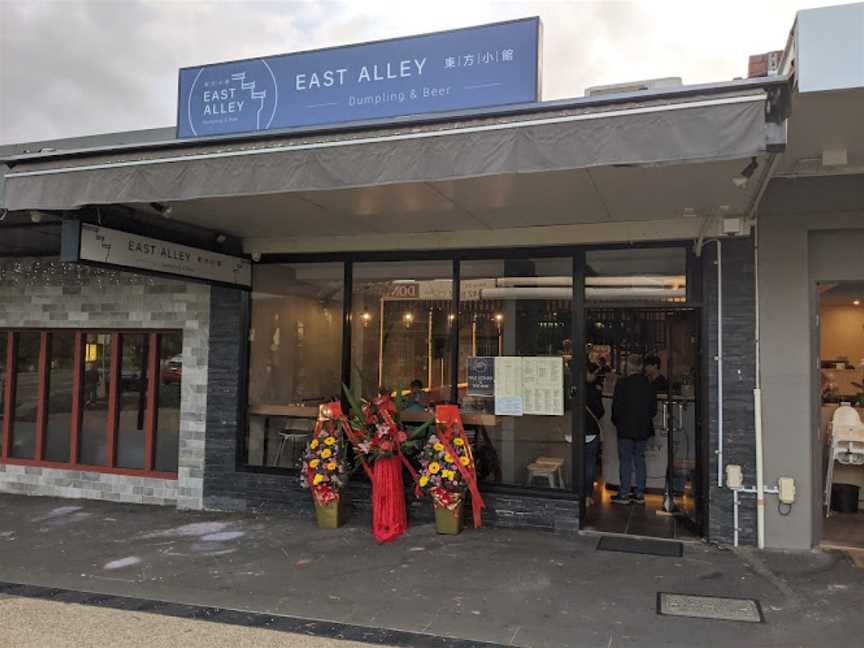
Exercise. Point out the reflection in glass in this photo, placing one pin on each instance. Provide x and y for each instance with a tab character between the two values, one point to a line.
96	389
401	324
168	414
636	276
520	307
132	401
58	421
295	348
26	396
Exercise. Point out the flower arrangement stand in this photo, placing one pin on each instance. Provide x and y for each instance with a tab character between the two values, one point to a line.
447	521
330	515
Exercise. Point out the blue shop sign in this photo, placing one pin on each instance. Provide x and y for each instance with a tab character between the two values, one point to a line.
477	67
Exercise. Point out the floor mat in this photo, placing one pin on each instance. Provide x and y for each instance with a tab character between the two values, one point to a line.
709	607
641	546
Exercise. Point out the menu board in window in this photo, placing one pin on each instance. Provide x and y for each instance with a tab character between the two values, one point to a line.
543	386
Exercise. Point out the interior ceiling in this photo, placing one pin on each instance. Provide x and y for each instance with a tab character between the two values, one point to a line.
822	121
506	201
843	293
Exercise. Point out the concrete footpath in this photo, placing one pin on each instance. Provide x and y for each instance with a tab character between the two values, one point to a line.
507	587
29	623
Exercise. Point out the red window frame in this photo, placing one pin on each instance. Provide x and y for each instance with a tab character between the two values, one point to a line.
154	340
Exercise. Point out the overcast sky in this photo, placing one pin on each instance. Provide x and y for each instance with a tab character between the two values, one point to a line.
71	68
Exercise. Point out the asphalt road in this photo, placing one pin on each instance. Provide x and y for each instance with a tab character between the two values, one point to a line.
26	623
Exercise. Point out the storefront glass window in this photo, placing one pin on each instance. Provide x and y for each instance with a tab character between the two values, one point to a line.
515	320
59	391
400	328
132	401
636	276
96	392
66	389
4	346
168	416
295	351
26	396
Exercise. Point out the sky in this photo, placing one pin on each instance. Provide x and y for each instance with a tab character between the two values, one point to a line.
72	67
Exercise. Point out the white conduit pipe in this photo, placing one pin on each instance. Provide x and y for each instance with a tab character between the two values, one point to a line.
757	390
719	360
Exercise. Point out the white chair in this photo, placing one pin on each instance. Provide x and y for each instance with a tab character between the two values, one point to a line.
847	445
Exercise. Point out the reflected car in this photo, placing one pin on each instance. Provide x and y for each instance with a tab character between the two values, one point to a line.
172	371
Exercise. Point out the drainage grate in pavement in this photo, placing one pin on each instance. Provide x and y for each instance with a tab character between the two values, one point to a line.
641	546
709	607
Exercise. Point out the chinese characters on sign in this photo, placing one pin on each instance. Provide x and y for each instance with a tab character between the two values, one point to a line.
477	67
479	58
83	242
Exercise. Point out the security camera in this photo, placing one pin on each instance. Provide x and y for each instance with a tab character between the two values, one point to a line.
740	181
256	257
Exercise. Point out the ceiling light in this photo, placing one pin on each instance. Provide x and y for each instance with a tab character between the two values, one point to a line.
857	302
221	238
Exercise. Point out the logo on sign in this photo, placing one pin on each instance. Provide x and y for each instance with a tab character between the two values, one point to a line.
240	96
404	291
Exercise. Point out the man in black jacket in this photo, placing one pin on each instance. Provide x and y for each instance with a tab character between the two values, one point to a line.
633	409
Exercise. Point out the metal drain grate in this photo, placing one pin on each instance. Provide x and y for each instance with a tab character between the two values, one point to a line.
709	607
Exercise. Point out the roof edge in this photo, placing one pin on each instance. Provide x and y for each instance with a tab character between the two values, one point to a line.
412	120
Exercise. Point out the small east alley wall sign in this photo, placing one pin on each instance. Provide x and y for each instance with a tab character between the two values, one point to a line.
87	243
477	67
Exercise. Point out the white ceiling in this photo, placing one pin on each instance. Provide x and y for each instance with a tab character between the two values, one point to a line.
508	201
822	121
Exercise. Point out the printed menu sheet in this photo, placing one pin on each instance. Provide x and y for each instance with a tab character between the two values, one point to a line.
508	386
543	386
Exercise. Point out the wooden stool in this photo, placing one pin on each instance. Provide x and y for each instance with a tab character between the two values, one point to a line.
548	468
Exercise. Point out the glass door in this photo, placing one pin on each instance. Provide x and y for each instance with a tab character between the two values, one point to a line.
682	416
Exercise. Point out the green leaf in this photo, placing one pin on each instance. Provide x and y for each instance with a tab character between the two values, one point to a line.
356	408
399	400
420	432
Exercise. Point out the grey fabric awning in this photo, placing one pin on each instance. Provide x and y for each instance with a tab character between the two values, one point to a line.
637	134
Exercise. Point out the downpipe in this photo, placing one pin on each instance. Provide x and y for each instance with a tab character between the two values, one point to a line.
735	504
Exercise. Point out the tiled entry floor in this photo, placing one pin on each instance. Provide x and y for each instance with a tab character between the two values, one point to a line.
634	519
844	529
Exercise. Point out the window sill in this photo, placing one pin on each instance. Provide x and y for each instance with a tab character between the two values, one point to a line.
130	472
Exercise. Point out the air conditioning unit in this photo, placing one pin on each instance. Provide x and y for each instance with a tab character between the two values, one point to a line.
634	86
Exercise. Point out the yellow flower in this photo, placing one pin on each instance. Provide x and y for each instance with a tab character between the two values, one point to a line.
465	460
331	465
459	442
314	463
313	444
326	453
448	458
438	447
434	467
450	474
329	440
423	481
318	479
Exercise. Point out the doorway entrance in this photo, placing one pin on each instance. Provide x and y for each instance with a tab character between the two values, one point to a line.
841	410
670	338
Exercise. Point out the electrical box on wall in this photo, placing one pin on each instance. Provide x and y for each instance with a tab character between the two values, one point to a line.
734	476
786	490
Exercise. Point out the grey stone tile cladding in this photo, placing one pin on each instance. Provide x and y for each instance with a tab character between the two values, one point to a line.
45	293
